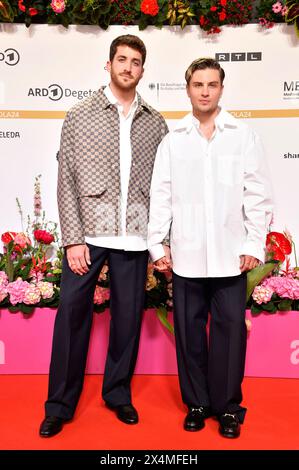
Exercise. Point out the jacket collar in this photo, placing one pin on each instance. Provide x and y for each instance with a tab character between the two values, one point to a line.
103	102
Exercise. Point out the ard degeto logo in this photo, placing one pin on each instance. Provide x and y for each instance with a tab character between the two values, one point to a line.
9	56
55	92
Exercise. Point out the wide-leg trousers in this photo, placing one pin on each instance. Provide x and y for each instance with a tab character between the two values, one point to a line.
73	322
211	369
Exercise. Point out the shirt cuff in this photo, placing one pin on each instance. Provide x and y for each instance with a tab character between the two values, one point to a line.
156	252
255	250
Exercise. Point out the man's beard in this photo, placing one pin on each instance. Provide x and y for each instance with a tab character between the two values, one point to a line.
130	85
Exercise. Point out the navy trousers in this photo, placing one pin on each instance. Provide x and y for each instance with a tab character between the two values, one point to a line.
73	322
211	369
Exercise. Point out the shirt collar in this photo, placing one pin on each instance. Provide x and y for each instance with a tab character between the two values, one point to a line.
223	119
113	100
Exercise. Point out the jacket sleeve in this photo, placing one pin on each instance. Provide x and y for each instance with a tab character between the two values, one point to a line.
160	202
68	207
258	206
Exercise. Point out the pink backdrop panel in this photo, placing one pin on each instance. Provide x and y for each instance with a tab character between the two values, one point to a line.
25	344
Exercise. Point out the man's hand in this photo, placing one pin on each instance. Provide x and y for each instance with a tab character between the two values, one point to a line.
248	262
164	264
78	258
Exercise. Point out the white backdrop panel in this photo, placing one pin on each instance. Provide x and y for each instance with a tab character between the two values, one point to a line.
60	65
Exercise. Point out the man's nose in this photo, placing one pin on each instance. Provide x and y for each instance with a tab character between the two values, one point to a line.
128	66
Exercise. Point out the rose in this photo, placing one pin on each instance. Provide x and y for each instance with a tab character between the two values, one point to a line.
43	236
32	11
58	6
149	7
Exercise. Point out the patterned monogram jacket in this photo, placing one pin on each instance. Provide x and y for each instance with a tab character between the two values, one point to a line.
89	170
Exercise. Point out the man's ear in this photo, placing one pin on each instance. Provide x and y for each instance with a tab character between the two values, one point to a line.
108	66
187	90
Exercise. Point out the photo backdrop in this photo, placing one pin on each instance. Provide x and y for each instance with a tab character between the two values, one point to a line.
47	69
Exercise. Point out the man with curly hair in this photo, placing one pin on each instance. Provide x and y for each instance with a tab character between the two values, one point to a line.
108	146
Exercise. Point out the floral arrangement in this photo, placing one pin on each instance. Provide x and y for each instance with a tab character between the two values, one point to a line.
270	13
31	266
210	15
278	283
214	14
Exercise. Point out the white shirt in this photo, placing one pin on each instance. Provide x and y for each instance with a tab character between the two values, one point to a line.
124	241
213	194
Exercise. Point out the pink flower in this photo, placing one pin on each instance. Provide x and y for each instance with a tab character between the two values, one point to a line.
277	7
46	289
16	291
284	286
22	240
3	279
58	6
36	275
3	292
32	295
284	11
262	294
262	21
37	205
101	294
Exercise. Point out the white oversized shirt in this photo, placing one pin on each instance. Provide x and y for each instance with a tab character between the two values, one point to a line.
213	195
124	241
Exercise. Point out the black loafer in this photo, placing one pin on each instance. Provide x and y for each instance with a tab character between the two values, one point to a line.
229	425
125	413
50	426
195	419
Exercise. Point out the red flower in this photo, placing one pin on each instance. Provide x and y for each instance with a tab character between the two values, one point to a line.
223	3
149	7
43	236
213	9
8	237
32	11
222	15
202	20
277	245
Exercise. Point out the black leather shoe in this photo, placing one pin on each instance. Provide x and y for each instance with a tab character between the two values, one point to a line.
195	419
125	413
229	425
50	426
